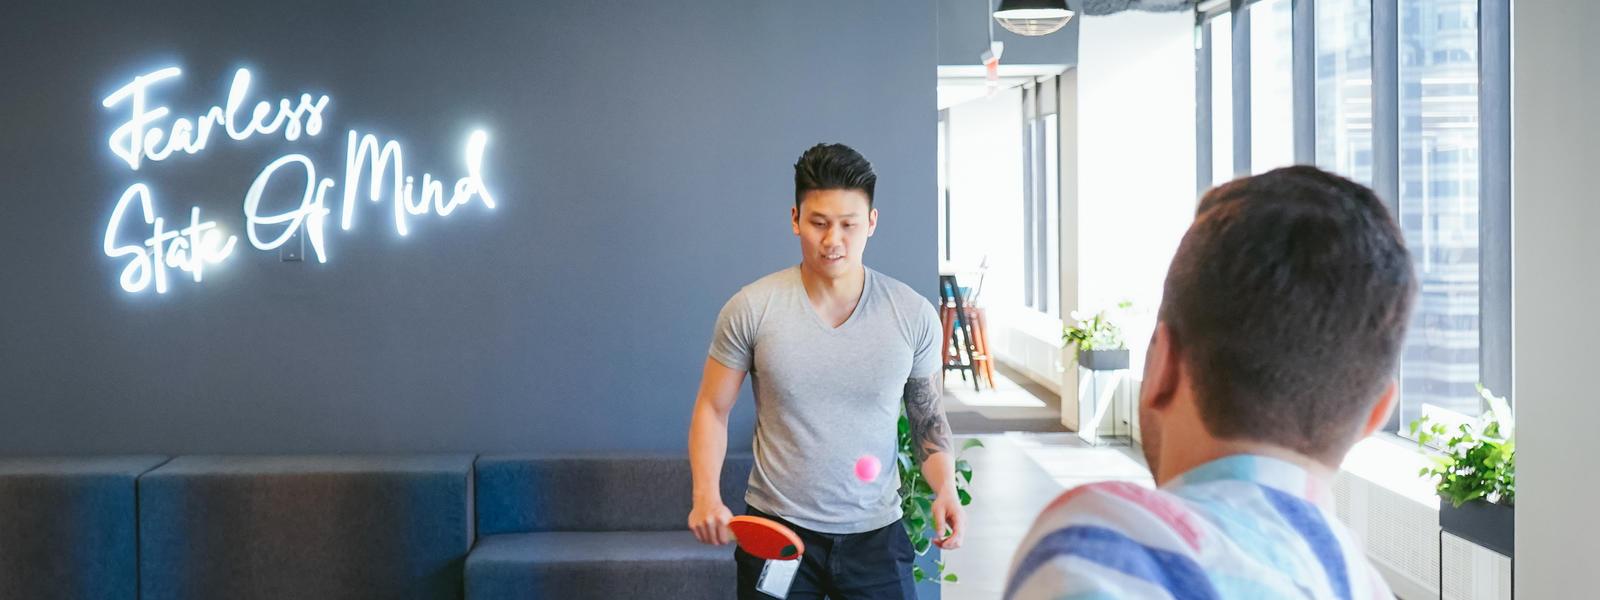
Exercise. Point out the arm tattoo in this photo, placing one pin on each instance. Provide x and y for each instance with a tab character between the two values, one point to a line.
930	431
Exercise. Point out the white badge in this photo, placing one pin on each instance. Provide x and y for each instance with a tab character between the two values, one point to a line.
777	576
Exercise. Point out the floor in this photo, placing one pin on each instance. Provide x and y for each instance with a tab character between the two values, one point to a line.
1027	460
1016	403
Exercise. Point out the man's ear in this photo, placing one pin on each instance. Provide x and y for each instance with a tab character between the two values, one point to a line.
1163	369
872	222
1382	409
794	219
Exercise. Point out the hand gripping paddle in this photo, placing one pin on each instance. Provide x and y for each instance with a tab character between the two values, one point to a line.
766	539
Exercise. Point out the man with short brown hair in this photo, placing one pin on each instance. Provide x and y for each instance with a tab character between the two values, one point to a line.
1279	331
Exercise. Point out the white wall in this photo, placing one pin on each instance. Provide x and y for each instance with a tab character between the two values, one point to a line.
1556	293
1135	171
986	192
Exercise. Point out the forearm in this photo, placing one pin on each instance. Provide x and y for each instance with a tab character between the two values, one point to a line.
708	447
930	431
939	470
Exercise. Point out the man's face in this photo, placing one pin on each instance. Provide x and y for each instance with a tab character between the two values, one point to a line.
833	226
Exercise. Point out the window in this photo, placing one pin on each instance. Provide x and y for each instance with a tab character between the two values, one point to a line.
1041	235
1431	137
1052	216
1452	16
1344	88
1271	85
1030	198
1221	98
1439	205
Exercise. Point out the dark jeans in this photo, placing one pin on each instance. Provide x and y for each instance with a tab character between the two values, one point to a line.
860	566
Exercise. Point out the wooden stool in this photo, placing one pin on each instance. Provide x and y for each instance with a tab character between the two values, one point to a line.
970	336
980	335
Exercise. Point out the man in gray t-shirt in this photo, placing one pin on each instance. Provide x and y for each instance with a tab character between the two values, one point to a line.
834	351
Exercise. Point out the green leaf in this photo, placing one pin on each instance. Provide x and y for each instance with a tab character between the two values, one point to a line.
916	497
951	578
1477	464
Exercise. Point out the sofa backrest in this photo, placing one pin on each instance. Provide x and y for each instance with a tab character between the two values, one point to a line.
68	527
247	527
532	493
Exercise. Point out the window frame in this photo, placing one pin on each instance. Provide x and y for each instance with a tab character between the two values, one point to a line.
1041	285
1030	198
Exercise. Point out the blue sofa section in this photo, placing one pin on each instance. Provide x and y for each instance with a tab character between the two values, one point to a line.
243	527
596	527
67	527
501	527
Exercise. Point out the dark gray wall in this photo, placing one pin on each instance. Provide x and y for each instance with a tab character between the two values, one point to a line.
640	152
964	35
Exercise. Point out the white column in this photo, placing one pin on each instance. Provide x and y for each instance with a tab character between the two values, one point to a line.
1556	293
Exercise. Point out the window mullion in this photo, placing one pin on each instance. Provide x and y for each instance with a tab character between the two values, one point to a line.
1202	107
1494	196
1386	103
1304	59
1241	89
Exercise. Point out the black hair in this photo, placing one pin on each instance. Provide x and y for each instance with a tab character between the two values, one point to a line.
833	167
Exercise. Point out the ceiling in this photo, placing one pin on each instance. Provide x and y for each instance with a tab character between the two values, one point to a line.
1106	7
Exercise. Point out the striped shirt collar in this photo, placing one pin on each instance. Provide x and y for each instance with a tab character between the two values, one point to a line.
1271	472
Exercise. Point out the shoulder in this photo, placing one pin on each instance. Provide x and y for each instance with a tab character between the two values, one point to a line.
1116	538
757	293
893	287
1140	514
771	283
904	298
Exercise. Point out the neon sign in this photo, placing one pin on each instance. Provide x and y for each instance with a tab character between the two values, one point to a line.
187	249
147	136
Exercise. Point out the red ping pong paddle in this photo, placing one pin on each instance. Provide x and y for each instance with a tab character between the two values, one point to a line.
766	539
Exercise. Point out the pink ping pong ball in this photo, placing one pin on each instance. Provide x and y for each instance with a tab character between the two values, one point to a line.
867	468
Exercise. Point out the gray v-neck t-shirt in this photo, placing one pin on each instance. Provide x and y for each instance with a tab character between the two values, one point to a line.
826	396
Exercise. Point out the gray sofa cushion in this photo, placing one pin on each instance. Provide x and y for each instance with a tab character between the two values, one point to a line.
656	564
528	493
68	527
243	527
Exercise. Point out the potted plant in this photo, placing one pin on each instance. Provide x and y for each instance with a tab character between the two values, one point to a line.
1475	474
916	501
1097	342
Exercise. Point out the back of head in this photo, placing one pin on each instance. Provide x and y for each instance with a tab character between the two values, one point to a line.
1288	300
